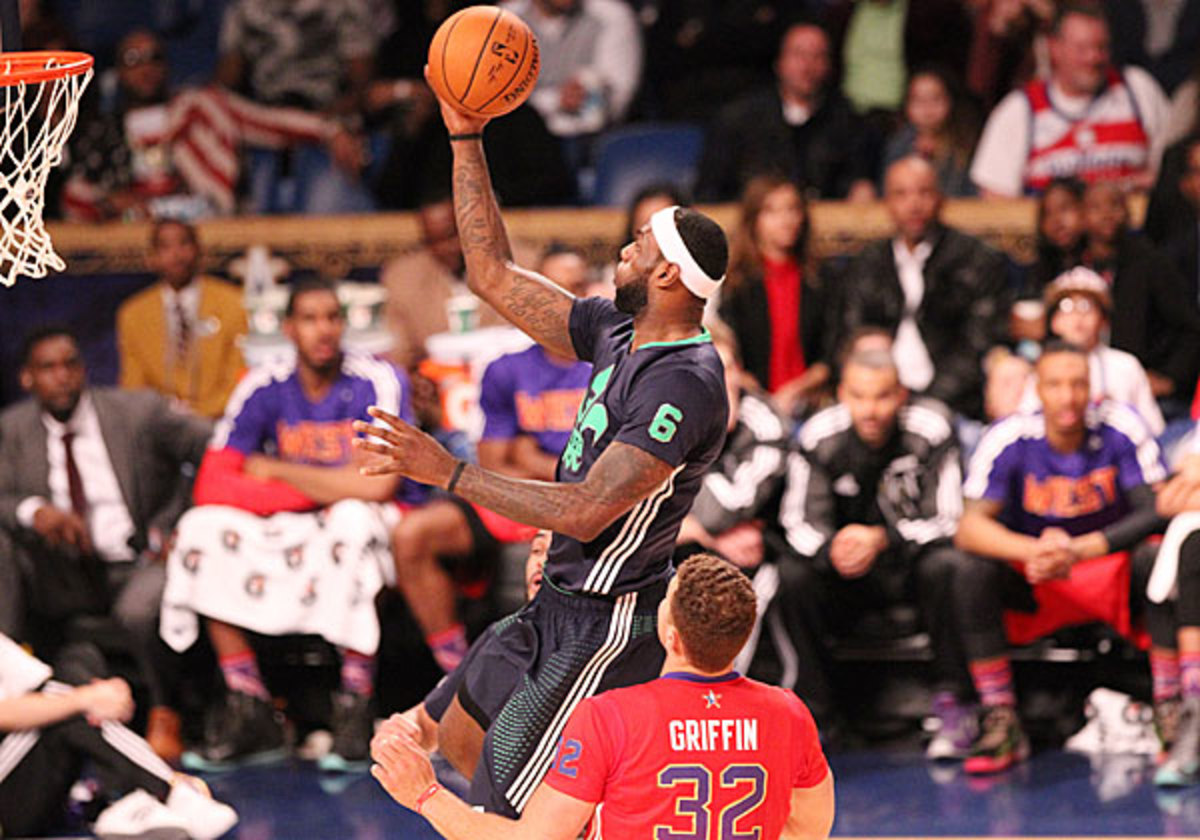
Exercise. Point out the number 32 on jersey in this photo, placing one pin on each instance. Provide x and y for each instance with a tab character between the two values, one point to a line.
694	791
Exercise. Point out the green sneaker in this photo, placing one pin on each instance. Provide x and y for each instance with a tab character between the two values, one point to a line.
1001	742
353	726
1182	766
1166	723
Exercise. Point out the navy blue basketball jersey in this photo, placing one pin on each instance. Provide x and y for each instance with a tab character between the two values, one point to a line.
666	398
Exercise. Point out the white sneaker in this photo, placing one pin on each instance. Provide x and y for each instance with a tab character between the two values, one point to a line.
139	816
1116	725
204	817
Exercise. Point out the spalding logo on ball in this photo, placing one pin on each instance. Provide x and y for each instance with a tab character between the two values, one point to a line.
483	61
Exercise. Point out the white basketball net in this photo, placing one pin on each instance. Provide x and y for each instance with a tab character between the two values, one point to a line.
38	118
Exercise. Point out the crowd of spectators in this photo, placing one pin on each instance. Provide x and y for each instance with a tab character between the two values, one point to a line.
922	422
322	107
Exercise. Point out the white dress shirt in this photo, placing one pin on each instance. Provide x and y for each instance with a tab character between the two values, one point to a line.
912	357
109	522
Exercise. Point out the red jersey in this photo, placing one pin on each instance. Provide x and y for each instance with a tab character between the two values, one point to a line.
1108	142
687	756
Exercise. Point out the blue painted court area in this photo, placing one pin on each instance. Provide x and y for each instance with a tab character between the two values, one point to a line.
1056	793
297	801
879	794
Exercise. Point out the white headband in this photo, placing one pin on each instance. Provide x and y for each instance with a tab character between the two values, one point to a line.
670	243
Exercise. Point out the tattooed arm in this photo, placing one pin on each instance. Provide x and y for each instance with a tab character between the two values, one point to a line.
530	301
620	478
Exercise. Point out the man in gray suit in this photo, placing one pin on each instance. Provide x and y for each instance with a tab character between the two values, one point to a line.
90	487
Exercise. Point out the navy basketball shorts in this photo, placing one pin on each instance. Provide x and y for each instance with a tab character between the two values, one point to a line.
529	671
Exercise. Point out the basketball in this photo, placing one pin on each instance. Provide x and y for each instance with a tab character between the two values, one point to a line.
484	61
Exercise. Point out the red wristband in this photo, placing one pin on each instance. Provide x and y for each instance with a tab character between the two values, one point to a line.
427	795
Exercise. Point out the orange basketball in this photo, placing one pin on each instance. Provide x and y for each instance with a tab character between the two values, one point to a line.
484	61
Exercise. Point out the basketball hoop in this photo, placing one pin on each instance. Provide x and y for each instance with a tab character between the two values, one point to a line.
41	104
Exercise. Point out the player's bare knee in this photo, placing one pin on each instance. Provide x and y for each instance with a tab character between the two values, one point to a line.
409	542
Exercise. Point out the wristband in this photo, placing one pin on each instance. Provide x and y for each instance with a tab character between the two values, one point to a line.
427	795
475	135
455	476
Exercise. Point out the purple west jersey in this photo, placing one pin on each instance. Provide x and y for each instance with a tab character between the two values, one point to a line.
527	393
269	413
1078	491
665	398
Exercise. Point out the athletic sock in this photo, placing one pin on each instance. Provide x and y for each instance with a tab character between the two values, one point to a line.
1189	674
994	682
241	674
358	673
1164	670
449	647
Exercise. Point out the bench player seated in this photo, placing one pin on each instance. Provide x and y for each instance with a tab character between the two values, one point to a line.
52	722
701	750
873	497
529	400
287	537
1174	589
1054	502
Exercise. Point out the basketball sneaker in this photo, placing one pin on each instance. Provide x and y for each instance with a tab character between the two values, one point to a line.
1166	723
1001	742
1182	766
353	726
139	816
955	726
246	730
205	818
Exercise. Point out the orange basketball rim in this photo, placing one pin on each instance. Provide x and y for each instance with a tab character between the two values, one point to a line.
41	103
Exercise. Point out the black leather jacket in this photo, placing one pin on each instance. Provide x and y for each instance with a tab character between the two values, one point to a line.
962	314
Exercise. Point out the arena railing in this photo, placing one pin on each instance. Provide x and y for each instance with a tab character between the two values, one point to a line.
335	244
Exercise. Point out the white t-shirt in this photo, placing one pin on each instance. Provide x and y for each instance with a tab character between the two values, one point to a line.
1184	105
999	163
20	673
600	46
1115	375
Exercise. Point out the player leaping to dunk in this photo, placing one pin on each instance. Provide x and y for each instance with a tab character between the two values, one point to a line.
699	752
651	423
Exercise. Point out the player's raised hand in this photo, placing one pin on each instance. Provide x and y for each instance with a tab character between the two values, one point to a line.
456	121
403	450
401	767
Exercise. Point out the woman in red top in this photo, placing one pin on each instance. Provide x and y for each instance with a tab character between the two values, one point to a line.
771	299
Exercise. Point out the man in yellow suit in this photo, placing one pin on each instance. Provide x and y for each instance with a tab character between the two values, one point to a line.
180	336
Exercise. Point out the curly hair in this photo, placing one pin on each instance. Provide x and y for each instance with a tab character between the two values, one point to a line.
714	609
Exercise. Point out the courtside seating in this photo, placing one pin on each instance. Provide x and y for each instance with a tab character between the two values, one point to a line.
629	158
